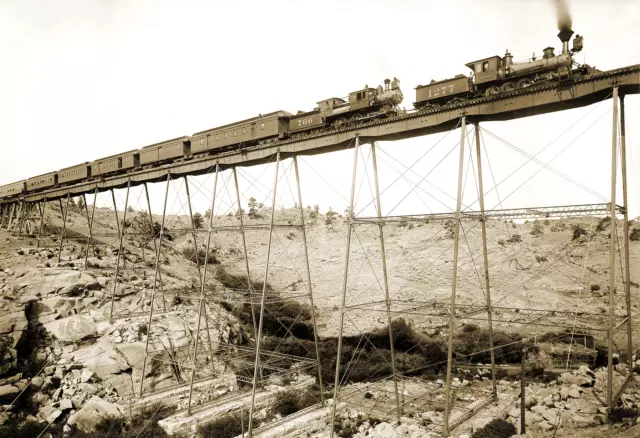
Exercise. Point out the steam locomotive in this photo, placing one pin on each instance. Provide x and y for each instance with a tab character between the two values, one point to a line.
494	75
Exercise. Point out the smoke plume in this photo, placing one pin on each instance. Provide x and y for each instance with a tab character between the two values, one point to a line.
563	14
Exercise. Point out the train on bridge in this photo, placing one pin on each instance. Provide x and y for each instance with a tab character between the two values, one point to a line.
489	76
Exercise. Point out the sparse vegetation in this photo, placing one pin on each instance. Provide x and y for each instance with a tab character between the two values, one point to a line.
595	287
291	401
634	235
330	215
228	426
515	238
496	428
541	258
537	230
198	221
142	425
578	232
617	415
190	254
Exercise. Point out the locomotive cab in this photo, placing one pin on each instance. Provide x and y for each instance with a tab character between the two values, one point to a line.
361	99
486	70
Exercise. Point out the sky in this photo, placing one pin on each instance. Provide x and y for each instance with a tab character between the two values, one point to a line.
87	79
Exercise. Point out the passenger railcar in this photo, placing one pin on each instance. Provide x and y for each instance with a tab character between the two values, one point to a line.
114	163
13	189
274	125
74	173
42	181
163	151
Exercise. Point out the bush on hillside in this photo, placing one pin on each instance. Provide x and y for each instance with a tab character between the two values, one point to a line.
496	428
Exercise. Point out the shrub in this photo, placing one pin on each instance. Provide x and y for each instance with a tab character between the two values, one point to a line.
515	238
291	401
578	232
190	254
634	236
537	230
501	242
616	415
228	426
143	329
595	287
496	428
604	223
541	258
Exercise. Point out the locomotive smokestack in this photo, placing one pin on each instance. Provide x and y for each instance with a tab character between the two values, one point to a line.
564	23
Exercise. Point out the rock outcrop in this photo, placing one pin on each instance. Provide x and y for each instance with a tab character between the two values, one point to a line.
92	413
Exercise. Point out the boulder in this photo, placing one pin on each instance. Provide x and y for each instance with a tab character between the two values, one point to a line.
15	325
8	393
579	379
93	412
51	281
102	359
120	382
86	375
66	405
384	430
72	329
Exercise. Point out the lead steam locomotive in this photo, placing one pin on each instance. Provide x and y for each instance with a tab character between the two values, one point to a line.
490	76
494	75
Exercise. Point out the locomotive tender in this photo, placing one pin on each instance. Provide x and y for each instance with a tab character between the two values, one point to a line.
489	76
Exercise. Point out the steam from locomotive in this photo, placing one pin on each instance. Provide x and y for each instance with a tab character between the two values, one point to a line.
563	15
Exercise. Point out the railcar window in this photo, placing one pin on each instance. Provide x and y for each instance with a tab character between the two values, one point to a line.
234	132
485	66
225	135
244	130
217	137
262	125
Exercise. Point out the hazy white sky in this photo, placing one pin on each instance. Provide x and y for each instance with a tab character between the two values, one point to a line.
86	79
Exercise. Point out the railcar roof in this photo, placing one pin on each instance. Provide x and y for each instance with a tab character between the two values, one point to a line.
44	174
280	113
114	156
470	64
71	167
183	138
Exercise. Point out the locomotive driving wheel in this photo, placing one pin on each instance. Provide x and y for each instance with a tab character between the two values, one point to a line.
508	86
356	119
339	123
524	83
492	90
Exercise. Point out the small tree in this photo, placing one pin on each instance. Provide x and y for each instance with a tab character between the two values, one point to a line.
80	203
253	208
198	221
634	236
207	214
316	211
330	216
